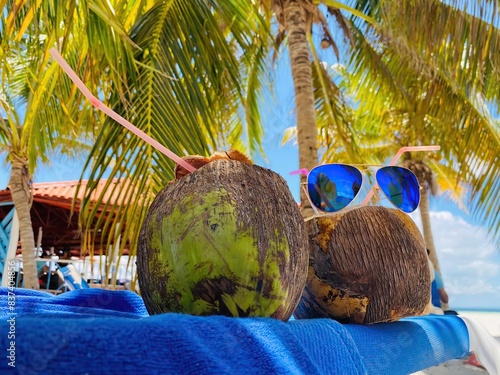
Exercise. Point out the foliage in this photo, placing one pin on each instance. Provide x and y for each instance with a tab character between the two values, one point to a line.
40	111
196	90
438	85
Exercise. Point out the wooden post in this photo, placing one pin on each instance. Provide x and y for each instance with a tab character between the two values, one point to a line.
39	243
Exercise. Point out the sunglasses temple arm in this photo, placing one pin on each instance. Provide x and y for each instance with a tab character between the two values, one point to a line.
402	150
394	160
115	116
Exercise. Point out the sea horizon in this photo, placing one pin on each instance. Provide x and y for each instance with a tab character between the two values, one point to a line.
477	309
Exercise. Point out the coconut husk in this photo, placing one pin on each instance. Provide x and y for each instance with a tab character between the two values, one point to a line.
367	265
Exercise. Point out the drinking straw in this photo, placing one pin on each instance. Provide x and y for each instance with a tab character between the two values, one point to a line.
115	116
396	157
303	171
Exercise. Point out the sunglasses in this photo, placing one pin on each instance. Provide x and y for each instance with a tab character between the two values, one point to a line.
331	188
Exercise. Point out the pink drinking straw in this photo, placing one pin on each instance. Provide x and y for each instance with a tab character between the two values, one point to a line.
115	116
303	171
396	157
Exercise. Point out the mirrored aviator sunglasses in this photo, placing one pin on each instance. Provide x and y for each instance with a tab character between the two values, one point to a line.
333	187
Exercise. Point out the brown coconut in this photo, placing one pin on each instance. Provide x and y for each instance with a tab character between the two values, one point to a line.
367	265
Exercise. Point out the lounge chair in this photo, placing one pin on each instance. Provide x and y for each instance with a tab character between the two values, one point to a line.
71	277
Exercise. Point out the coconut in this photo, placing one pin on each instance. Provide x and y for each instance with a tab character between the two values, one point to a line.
227	239
367	265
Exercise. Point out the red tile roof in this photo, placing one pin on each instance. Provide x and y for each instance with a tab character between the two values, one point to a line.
62	193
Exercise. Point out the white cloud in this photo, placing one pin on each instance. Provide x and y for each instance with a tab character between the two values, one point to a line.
455	237
469	264
458	286
337	67
480	268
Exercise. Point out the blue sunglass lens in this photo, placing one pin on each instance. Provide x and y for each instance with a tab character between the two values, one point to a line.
401	187
332	187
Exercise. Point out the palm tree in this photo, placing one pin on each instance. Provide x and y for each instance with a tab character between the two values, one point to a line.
442	80
439	85
41	112
294	16
314	91
427	181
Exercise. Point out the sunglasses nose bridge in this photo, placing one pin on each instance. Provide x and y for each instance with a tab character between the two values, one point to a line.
369	177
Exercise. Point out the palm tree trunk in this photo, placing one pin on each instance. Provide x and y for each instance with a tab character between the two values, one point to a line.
300	62
429	240
426	226
21	203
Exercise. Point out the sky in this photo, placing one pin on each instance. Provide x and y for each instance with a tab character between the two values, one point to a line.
470	266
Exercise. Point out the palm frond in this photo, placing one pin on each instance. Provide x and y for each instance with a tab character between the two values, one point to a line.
188	96
463	41
333	113
445	178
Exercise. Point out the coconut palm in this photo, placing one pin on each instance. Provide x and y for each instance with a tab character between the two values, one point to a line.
41	112
442	80
427	182
314	90
437	85
294	17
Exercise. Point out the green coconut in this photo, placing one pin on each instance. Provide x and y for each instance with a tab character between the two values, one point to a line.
227	239
367	265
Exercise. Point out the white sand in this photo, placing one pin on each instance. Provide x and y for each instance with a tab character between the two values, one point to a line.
491	321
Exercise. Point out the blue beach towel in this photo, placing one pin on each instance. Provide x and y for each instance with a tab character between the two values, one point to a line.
93	331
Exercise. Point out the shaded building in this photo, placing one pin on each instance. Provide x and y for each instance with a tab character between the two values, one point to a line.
53	219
